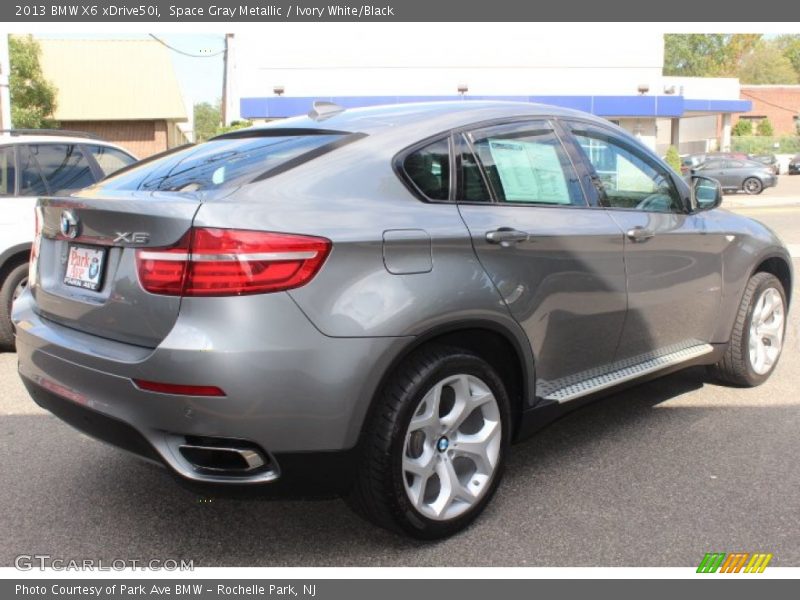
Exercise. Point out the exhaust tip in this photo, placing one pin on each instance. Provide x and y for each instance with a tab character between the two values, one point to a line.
224	456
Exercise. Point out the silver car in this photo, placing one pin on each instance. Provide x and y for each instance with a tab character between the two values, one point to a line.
378	302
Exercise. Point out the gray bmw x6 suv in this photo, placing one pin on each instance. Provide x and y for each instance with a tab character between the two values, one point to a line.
378	302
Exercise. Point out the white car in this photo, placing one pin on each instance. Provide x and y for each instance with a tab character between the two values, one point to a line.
37	163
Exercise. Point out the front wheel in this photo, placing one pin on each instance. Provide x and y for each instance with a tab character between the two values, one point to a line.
434	449
753	186
757	337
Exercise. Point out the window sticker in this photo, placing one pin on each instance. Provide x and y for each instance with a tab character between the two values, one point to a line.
529	172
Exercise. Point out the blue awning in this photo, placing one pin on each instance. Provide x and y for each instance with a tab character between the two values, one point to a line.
604	106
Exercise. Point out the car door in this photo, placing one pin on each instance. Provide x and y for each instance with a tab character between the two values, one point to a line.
557	263
13	207
672	257
715	169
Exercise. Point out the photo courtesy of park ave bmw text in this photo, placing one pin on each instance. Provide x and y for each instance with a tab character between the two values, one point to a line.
296	299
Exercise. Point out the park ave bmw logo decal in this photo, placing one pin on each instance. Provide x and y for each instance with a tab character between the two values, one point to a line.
69	224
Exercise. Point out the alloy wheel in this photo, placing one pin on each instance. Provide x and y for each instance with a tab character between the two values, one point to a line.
766	331
452	447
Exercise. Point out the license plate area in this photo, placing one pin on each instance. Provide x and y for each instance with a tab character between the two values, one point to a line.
85	267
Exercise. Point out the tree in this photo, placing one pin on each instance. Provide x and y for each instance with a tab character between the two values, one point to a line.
743	127
766	64
706	55
33	98
673	159
789	45
765	128
207	119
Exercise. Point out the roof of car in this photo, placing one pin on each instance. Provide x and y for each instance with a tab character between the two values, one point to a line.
7	138
373	120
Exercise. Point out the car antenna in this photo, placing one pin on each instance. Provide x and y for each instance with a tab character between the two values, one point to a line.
321	110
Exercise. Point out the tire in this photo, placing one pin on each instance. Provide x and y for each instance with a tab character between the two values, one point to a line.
752	186
739	366
384	486
10	288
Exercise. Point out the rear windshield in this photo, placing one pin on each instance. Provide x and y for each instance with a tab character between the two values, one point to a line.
219	164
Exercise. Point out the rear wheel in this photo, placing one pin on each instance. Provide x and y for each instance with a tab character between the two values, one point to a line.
12	286
753	186
434	449
757	337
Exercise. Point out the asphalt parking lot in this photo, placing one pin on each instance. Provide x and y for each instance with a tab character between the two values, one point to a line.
657	475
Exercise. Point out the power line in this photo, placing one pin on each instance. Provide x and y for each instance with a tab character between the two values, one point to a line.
749	95
179	51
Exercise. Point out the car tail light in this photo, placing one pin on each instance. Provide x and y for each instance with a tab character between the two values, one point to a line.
231	262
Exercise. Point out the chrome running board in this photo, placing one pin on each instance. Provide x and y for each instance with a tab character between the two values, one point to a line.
595	380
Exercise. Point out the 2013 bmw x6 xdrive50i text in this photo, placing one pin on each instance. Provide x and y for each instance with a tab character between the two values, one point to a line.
377	302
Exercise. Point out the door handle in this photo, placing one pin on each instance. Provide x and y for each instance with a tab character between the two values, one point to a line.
639	234
506	237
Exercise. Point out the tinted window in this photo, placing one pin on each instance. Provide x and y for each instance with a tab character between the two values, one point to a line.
733	164
217	164
473	186
429	169
712	165
629	179
527	163
30	177
7	171
63	166
110	159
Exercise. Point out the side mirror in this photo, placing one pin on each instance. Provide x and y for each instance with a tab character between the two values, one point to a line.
706	193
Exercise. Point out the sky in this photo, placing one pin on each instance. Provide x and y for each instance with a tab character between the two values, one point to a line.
200	78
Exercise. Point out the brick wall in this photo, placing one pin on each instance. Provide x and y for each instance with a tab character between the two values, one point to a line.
141	138
780	104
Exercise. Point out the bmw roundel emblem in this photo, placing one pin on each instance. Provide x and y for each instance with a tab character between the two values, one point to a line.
69	224
442	444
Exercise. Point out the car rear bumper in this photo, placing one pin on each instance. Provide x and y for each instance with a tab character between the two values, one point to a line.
290	390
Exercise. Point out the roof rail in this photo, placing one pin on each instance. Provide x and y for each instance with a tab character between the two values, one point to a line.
64	132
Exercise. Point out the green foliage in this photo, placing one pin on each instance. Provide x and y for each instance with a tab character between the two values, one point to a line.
742	127
789	46
33	98
764	128
706	55
207	120
766	64
673	159
234	126
757	144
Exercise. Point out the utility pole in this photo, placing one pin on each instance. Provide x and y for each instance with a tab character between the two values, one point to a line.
225	80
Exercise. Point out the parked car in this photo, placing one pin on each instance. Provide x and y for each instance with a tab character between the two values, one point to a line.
734	175
794	165
35	162
770	160
377	302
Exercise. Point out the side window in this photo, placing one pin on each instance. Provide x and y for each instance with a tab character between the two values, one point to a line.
63	166
110	159
629	179
526	163
429	169
30	177
8	171
712	165
733	164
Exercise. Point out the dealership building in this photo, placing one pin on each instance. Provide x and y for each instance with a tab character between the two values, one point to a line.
279	71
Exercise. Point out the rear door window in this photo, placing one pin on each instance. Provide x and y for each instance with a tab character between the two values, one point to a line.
526	163
63	166
7	171
109	159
